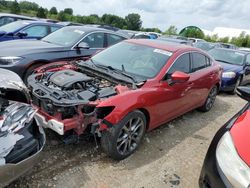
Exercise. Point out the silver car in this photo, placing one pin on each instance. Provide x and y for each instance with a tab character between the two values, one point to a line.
21	139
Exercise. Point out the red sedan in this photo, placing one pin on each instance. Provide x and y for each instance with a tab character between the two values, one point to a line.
125	90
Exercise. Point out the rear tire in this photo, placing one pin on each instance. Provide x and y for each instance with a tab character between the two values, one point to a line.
210	100
124	138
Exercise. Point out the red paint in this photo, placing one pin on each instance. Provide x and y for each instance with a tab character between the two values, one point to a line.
241	133
180	77
162	101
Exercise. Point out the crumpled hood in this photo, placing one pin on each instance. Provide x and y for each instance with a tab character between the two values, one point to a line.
24	47
10	80
229	67
16	120
13	117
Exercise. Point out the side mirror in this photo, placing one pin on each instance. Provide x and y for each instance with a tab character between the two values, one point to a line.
179	77
83	45
22	34
244	92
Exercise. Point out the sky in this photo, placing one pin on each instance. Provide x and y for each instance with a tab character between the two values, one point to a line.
206	14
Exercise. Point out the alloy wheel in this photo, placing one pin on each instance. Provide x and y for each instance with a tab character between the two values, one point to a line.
130	136
211	98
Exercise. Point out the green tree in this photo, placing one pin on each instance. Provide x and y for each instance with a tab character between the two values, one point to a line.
68	11
41	13
113	20
61	16
133	21
53	10
193	32
224	39
172	30
26	5
15	9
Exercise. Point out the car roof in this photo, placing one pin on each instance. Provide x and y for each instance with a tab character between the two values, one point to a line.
88	29
17	16
164	45
38	22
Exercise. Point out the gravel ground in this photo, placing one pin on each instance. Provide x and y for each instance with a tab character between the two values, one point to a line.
170	156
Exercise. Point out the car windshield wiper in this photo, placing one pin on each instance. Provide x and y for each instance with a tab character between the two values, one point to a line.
121	72
108	67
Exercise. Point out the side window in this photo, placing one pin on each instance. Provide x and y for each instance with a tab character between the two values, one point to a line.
181	64
37	31
113	39
95	40
248	59
199	61
54	28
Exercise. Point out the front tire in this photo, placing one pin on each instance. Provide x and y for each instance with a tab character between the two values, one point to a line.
237	84
124	138
210	100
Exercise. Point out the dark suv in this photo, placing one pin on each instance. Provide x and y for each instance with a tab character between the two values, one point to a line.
68	43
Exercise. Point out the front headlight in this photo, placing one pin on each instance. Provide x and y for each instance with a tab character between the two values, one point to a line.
10	60
233	167
228	74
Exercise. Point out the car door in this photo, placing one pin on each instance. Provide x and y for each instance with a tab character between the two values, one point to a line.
36	31
175	99
202	77
96	42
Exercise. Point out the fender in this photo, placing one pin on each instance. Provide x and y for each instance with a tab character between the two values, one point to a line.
127	102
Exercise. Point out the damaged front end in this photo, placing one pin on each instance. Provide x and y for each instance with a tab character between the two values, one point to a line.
69	100
21	140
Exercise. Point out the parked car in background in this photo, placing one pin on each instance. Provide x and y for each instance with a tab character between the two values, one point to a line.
196	40
175	40
228	158
227	45
8	18
21	139
27	30
161	80
244	49
206	45
68	43
236	67
142	35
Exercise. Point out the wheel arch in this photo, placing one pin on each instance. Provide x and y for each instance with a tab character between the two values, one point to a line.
147	115
33	63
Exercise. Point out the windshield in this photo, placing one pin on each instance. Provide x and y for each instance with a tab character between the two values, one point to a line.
228	56
67	36
13	26
134	59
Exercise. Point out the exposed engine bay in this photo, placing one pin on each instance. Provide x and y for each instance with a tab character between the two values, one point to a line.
73	94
